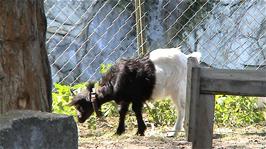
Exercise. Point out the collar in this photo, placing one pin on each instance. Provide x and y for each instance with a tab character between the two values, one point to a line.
92	97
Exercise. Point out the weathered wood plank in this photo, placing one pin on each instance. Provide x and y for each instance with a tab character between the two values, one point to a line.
192	62
233	87
233	82
204	122
240	75
192	95
188	96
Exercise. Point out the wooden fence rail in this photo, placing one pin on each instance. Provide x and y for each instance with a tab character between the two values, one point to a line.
202	85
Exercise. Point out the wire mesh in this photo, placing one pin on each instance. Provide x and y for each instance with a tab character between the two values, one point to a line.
82	35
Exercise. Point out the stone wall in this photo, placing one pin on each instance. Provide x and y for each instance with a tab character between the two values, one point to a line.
83	34
233	36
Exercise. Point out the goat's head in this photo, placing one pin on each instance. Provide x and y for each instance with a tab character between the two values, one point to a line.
86	103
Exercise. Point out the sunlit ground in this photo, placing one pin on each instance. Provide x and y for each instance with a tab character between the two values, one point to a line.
102	136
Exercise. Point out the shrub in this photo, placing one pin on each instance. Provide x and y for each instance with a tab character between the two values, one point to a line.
61	97
229	110
236	111
161	112
110	109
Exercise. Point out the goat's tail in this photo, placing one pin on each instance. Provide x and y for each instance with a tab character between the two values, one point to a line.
197	55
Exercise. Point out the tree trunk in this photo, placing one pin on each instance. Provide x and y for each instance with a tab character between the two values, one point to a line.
25	79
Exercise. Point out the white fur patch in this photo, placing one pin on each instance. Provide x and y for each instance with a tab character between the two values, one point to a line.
171	78
93	90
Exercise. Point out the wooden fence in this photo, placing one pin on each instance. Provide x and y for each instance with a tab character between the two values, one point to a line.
203	84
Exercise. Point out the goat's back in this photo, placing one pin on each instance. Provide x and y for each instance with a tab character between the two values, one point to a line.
171	72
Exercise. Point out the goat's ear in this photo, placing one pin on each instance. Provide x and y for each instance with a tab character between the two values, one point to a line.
90	86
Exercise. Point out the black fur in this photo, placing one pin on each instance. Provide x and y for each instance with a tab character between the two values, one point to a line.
83	106
128	82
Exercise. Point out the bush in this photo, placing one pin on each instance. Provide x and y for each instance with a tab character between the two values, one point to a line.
236	111
229	110
161	112
61	98
110	109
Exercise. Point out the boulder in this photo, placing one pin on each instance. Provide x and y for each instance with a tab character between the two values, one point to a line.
32	129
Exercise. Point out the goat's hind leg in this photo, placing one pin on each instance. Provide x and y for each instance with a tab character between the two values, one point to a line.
122	112
178	124
180	106
137	108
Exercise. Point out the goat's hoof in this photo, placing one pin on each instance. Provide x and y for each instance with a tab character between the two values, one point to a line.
171	134
140	133
119	132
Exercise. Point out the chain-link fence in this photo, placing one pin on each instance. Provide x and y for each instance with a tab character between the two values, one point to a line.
83	34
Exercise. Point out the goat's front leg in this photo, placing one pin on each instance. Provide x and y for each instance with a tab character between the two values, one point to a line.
122	112
137	108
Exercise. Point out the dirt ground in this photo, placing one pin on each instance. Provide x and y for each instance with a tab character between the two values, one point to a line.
251	137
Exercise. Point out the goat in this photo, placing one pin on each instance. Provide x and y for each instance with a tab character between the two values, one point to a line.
161	73
83	103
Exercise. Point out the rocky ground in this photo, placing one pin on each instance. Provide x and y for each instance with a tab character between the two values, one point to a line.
251	137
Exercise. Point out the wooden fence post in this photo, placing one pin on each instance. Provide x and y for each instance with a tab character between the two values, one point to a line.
192	93
202	85
202	138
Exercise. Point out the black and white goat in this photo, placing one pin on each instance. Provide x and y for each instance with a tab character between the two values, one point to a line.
161	73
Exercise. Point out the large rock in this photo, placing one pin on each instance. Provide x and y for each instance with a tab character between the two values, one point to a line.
83	34
37	130
233	35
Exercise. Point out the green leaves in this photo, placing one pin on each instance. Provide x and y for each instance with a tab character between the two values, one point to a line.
236	111
104	68
161	112
62	96
110	109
